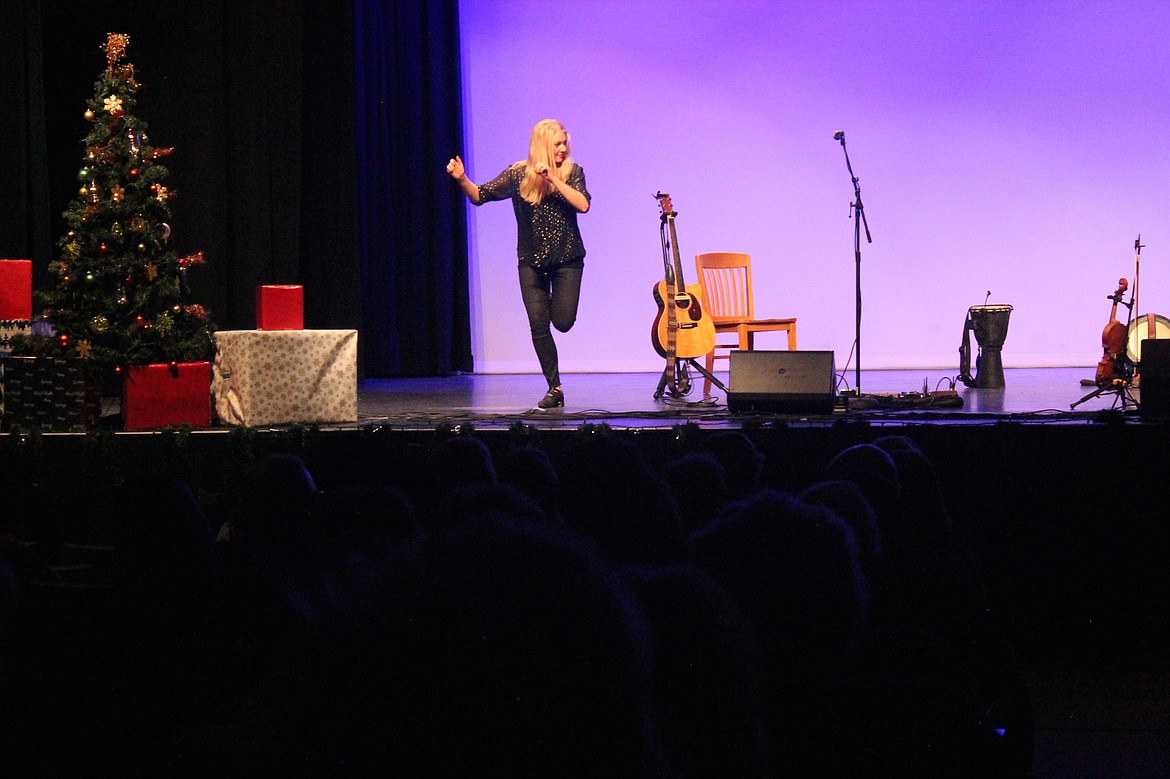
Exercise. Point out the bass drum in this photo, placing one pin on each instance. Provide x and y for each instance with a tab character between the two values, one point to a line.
1145	326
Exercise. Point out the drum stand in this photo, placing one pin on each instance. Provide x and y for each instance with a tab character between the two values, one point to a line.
1120	385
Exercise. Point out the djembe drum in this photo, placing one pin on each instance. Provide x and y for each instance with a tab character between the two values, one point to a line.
990	324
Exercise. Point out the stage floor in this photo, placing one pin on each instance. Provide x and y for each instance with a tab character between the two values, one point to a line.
626	400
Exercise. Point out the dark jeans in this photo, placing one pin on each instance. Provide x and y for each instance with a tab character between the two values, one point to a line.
550	298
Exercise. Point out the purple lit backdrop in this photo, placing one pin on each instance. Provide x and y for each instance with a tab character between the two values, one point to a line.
1013	147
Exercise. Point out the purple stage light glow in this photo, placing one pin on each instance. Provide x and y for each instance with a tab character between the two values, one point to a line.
1017	148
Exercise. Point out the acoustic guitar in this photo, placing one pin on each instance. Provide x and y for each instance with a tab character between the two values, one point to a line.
681	328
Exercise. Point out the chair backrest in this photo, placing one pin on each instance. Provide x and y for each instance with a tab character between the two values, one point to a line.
727	284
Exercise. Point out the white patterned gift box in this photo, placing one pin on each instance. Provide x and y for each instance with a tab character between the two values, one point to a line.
279	377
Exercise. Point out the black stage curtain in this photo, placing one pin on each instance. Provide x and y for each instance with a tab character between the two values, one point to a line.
416	310
24	213
267	105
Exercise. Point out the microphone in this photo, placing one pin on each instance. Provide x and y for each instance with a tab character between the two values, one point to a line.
839	135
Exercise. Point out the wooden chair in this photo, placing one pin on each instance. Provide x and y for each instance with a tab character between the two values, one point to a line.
726	279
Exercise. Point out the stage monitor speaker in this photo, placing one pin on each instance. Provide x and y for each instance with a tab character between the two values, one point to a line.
781	382
1155	376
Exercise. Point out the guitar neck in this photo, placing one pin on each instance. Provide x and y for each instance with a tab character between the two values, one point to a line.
679	283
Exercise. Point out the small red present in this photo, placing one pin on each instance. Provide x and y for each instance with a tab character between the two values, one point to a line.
15	289
159	395
280	307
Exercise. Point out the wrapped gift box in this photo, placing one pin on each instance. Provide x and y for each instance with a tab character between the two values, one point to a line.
10	328
48	393
285	377
155	396
280	307
15	289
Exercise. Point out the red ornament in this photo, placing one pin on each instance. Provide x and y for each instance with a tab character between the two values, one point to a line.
133	174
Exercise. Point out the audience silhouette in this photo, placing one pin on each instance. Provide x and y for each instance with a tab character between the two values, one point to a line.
588	614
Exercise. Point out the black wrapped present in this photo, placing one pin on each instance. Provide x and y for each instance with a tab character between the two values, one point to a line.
10	328
49	394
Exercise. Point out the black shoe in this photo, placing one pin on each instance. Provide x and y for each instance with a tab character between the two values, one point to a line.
554	398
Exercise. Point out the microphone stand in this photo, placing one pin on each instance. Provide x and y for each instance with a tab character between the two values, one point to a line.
857	210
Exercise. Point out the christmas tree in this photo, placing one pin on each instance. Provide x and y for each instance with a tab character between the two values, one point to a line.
120	295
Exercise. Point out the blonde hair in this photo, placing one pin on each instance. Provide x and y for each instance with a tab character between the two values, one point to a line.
534	188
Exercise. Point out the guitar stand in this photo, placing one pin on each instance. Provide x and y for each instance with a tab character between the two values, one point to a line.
658	393
1120	386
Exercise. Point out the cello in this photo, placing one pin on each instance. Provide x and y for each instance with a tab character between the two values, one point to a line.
1112	340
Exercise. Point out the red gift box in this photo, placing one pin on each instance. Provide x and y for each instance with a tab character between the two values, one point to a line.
15	289
159	395
280	307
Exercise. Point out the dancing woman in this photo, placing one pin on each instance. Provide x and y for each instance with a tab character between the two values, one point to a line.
547	192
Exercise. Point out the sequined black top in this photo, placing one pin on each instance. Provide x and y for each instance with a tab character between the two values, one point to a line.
546	234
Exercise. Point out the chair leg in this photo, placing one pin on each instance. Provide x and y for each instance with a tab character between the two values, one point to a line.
710	366
792	338
747	340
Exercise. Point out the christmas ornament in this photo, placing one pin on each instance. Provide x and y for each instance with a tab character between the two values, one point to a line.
126	73
83	348
138	224
133	174
97	154
99	324
83	174
117	194
113	105
163	323
151	271
192	259
88	115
